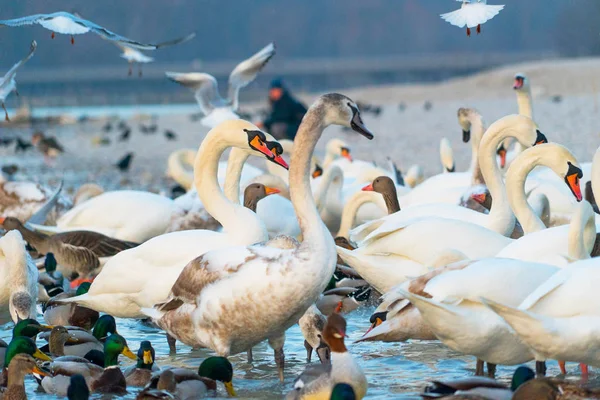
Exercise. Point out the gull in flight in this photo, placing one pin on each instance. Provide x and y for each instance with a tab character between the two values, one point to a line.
8	83
69	24
215	108
472	13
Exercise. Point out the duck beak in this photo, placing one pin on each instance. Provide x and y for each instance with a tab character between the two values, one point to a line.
127	353
41	356
502	154
148	357
230	389
39	371
573	183
368	188
346	154
72	340
43	328
270	190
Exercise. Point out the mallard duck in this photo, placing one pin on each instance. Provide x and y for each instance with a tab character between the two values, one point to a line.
317	381
78	389
70	314
554	389
27	328
479	386
191	385
20	365
50	282
166	386
59	335
105	326
100	380
140	374
18	345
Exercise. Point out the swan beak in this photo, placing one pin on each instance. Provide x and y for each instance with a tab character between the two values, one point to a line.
518	83
280	161
317	172
466	136
269	190
230	389
502	153
573	183
148	357
346	154
478	197
368	188
2	219
358	126
375	324
41	356
260	146
540	139
127	353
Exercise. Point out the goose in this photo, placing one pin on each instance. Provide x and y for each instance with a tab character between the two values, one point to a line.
317	382
471	14
19	277
152	268
69	24
77	252
455	314
446	156
8	83
281	270
215	108
20	365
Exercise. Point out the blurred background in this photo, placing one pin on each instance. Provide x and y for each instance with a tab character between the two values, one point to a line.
322	44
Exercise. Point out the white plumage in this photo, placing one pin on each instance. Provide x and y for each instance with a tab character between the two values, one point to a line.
472	14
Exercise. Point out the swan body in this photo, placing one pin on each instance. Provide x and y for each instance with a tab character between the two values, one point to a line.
143	276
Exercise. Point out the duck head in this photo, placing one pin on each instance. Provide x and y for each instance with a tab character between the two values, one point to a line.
218	369
114	346
23	345
105	326
145	355
29	328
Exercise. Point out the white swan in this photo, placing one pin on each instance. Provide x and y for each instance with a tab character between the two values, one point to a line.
471	14
18	280
143	276
8	83
446	156
233	298
215	108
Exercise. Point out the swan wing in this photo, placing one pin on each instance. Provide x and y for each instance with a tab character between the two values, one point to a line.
13	71
246	71
205	88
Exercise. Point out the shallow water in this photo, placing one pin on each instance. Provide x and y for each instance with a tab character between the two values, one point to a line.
393	370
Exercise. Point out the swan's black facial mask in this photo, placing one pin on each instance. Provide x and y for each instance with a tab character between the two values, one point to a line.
277	151
466	136
256	141
357	124
540	138
572	178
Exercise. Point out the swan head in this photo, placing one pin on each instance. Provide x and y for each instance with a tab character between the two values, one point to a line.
338	148
20	306
521	82
572	179
277	149
465	123
341	110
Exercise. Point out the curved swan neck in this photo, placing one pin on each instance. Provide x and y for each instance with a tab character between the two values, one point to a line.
311	128
327	189
233	174
177	169
351	209
582	232
229	215
477	131
525	108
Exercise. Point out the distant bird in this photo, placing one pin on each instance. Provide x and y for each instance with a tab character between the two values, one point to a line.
377	110
215	108
401	107
69	24
125	163
557	99
108	127
100	141
472	14
170	135
122	125
22	146
5	142
48	146
428	105
133	55
10	170
8	83
125	135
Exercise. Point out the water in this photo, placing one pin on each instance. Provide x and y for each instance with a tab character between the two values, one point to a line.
393	370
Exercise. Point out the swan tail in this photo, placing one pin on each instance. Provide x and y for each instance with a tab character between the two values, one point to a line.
152	312
549	286
81	299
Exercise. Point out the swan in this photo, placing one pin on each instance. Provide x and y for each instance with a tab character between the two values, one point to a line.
143	276
471	14
8	83
233	298
414	176
500	219
446	156
215	108
351	209
19	277
177	163
449	188
335	149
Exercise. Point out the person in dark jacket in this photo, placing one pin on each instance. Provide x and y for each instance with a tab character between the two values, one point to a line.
286	112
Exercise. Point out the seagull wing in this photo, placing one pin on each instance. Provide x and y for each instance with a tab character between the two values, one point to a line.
246	71
176	41
204	86
29	20
11	73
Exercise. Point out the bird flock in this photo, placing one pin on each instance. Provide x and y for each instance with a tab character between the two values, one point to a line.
497	262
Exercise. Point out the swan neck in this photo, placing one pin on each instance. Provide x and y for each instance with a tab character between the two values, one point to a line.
179	172
233	174
582	233
328	191
515	187
477	131
524	103
351	209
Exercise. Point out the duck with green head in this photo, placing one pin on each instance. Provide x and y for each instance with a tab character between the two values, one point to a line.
100	380
20	345
70	314
103	328
140	374
26	327
192	385
50	282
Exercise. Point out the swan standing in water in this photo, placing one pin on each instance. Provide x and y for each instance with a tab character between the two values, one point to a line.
215	108
232	299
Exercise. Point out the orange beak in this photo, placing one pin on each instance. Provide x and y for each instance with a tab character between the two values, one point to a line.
280	161
478	197
258	145
346	154
573	182
375	324
76	282
2	219
518	84
270	190
317	172
368	188
502	154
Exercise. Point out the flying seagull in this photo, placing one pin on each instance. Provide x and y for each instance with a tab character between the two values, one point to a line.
472	14
69	24
215	108
8	83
